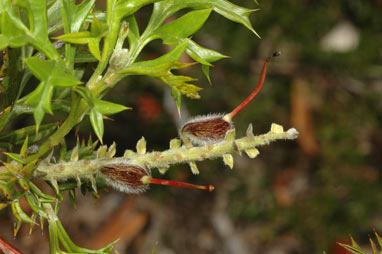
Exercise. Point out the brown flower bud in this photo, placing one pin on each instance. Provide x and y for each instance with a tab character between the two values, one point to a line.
204	130
125	177
212	128
135	179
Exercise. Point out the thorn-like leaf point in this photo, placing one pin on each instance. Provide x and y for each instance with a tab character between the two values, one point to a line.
249	132
128	153
162	170
54	184
252	152
230	135
75	154
78	180
112	150
93	184
101	152
175	143
276	128
228	160
194	168
141	146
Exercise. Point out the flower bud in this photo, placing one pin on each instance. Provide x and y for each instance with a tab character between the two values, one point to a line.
204	130
125	177
135	179
210	129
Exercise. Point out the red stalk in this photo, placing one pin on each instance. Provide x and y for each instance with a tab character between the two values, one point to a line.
147	179
254	92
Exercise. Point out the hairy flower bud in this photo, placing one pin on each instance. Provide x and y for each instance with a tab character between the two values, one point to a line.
204	130
212	128
135	179
125	177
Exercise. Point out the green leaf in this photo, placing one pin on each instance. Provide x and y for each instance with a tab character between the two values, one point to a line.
80	12
180	84
133	34
225	8
206	72
159	66
351	249
165	9
203	55
41	97
92	38
96	120
76	38
177	98
98	29
23	150
18	136
13	31
18	34
85	93
108	108
15	157
94	48
4	41
127	7
52	72
4	116
182	27
75	15
42	69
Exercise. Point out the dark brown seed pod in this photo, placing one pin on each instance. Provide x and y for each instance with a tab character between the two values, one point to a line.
134	179
212	128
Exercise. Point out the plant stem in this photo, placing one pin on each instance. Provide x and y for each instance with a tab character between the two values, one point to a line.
88	168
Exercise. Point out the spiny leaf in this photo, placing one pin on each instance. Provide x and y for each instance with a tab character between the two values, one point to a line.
203	55
182	27
4	116
18	34
161	65
351	249
109	108
141	146
228	160
177	98
18	136
225	8
96	121
194	168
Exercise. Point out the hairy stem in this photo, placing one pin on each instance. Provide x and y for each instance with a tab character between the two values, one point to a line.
88	168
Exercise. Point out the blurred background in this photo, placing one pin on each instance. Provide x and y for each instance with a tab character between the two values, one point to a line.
297	196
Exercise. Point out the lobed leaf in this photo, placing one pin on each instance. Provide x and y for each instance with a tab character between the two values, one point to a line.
18	34
51	73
